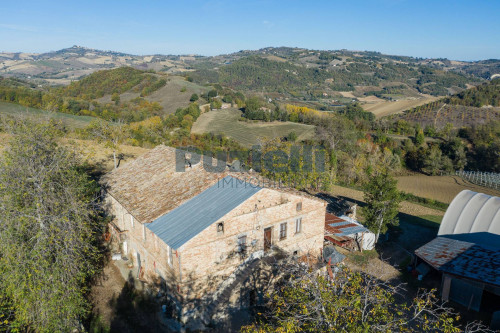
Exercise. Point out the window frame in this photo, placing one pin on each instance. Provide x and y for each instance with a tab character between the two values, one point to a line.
242	245
170	256
298	207
283	231
220	224
298	225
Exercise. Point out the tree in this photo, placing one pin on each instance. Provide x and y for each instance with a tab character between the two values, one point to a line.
305	300
336	132
115	98
455	150
212	93
253	104
292	136
48	230
112	134
447	130
194	98
433	162
382	203
419	138
187	122
215	103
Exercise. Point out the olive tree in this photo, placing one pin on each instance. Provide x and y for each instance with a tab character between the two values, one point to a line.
111	134
48	230
309	300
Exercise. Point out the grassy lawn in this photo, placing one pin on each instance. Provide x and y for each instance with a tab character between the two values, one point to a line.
247	133
37	114
416	230
428	221
362	258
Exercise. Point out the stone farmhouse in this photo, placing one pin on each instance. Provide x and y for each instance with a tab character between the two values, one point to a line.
190	230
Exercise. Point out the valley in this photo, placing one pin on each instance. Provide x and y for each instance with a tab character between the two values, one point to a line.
250	166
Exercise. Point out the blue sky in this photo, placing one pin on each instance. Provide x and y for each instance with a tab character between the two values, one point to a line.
462	30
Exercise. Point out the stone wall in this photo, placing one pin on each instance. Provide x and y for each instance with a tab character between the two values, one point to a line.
207	259
140	244
212	256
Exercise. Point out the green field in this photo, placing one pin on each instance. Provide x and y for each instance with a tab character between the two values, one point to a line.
37	114
247	133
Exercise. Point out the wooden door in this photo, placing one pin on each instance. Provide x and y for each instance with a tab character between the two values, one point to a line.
268	238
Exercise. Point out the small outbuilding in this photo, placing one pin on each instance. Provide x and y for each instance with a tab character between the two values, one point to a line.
346	232
466	252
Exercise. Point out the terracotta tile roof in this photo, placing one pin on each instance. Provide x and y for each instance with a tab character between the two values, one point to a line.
149	186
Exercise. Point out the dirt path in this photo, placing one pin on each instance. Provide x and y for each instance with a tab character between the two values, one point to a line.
120	308
109	287
437	114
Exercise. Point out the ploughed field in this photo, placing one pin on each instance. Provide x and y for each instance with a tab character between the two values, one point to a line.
457	115
440	188
381	108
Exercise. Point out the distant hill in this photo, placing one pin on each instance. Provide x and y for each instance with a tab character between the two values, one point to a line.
311	73
477	105
105	82
70	64
486	94
322	79
121	93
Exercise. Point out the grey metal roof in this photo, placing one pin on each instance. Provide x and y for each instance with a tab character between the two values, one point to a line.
352	230
189	219
462	258
338	224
